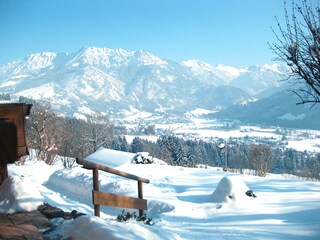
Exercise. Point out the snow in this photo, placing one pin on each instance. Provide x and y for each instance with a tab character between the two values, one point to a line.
281	69
105	57
30	63
230	189
197	65
207	133
291	117
18	195
45	91
309	145
149	59
150	138
7	84
86	110
230	72
225	73
198	112
90	227
110	158
19	76
115	73
184	203
134	115
79	116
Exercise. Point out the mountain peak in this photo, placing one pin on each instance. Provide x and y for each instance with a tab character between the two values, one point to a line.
107	57
147	58
197	65
219	71
30	63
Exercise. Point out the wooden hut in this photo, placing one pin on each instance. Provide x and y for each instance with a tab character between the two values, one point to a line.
12	134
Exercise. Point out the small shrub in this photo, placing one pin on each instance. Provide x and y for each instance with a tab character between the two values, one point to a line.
249	193
125	216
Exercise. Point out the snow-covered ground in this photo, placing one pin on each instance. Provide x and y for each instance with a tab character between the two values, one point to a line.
195	126
184	203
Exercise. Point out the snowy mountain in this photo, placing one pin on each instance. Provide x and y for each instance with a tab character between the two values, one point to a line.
110	80
219	74
257	79
279	109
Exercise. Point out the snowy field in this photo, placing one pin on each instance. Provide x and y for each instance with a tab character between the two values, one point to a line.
184	203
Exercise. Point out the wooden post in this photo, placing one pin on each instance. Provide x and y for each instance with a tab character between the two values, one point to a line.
95	172
225	159
140	195
107	199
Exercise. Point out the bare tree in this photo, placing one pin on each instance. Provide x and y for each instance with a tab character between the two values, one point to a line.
298	45
262	159
237	160
43	131
96	133
313	167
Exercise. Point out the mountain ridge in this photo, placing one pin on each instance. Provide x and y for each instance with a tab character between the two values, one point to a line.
109	80
268	111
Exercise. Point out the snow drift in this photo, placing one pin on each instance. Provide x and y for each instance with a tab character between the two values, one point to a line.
230	189
19	195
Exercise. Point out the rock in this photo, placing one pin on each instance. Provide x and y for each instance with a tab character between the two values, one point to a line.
54	212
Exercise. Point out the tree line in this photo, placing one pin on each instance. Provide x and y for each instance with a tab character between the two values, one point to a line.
234	156
55	137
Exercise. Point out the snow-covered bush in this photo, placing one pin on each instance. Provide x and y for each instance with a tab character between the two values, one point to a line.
125	216
142	158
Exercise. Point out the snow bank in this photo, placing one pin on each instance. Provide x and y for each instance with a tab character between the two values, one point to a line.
75	181
91	227
18	194
155	208
79	183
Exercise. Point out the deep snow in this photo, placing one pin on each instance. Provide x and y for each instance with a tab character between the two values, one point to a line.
185	203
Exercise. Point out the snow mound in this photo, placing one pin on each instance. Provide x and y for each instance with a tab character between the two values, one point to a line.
91	227
155	208
230	189
80	183
17	194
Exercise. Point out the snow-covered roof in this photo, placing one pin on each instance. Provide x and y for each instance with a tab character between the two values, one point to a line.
9	102
110	158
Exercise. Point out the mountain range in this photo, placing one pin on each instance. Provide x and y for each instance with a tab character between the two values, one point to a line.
95	81
101	80
279	109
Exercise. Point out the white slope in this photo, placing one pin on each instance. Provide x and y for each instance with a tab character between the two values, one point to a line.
223	74
178	201
29	64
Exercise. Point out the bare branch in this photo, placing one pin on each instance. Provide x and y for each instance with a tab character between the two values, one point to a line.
298	45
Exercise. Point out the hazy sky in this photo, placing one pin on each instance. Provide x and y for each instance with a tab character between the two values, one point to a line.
230	32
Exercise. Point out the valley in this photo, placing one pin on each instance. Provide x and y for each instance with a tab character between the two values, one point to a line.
196	125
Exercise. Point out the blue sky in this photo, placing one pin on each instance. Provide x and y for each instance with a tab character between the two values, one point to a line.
230	32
